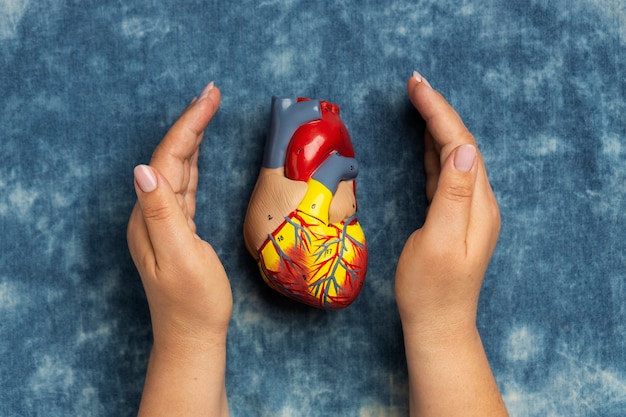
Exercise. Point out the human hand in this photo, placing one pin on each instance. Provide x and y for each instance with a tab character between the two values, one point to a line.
441	268
186	286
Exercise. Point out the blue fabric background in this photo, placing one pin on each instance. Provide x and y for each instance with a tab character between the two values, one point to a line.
89	87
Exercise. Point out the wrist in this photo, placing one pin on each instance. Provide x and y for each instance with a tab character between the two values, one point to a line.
440	335
180	359
186	377
189	344
449	374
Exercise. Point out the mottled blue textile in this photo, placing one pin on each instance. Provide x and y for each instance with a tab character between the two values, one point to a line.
89	87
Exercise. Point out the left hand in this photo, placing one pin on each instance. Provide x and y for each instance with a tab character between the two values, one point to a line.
186	286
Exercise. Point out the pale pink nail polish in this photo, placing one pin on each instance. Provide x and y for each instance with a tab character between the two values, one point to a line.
420	79
464	158
207	90
145	178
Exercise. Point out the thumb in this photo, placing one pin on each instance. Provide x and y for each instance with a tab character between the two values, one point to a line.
449	212
166	223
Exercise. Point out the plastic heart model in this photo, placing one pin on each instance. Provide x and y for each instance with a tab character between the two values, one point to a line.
301	224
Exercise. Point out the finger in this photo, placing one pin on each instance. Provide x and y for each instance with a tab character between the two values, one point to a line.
450	211
183	139
166	224
192	187
432	166
138	239
442	121
484	227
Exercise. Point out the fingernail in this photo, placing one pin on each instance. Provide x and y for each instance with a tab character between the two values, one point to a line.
207	90
145	178
464	158
418	77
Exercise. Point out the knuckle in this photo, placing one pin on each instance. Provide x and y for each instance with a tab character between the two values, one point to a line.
467	137
156	213
458	192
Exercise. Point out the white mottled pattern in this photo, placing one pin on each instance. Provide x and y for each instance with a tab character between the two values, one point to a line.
524	344
11	12
89	88
52	372
22	199
138	29
573	387
10	296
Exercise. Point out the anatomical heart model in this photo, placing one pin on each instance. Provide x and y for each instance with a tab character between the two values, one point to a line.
301	224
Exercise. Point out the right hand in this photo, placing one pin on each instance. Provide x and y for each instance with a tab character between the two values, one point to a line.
441	268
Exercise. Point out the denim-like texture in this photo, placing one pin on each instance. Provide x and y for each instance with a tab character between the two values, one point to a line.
88	88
